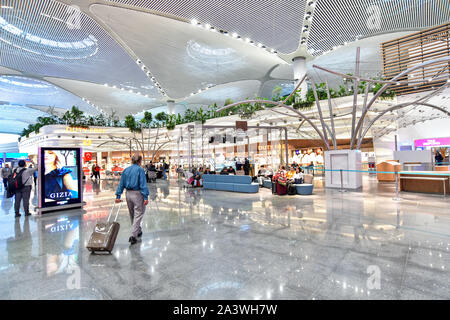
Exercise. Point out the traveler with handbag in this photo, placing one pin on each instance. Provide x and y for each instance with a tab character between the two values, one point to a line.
21	181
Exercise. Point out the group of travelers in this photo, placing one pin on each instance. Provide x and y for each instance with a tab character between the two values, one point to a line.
151	171
284	181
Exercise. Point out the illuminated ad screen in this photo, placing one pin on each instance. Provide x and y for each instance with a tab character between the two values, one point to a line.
60	182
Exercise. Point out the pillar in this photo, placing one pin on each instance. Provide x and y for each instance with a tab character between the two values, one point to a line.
171	106
299	72
109	161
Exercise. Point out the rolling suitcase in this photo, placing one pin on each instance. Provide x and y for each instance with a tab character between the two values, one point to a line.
274	187
281	190
104	236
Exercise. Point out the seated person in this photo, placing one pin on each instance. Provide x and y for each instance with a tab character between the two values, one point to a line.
231	171
207	171
260	175
261	171
298	176
268	173
224	171
290	173
180	171
196	180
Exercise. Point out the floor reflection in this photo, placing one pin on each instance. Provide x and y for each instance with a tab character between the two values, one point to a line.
201	243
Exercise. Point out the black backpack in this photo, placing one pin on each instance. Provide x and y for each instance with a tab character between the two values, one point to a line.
291	189
15	183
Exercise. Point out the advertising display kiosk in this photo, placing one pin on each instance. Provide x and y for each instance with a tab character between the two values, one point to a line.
60	176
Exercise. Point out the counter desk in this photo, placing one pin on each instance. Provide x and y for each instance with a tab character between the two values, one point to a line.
425	181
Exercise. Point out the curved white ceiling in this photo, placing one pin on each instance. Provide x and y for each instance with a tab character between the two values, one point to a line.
24	91
276	24
339	21
236	91
108	98
37	42
35	38
185	58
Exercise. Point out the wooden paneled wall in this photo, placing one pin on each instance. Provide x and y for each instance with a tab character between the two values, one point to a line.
403	53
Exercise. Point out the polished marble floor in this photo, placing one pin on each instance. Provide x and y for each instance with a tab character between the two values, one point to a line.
203	244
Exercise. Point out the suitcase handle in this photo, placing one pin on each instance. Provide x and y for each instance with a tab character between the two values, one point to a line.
112	209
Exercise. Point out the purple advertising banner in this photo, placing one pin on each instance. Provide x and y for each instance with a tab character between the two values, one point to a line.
433	142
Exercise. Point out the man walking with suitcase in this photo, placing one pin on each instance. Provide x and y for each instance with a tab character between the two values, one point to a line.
134	181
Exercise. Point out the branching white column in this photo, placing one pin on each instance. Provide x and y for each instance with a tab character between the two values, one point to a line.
299	72
171	106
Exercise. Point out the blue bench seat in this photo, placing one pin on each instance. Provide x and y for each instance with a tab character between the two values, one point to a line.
229	183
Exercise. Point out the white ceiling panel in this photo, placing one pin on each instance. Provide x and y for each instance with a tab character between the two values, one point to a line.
4	70
19	90
108	98
274	23
185	58
339	21
236	91
49	38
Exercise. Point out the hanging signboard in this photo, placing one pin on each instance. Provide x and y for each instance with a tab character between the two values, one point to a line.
434	142
242	125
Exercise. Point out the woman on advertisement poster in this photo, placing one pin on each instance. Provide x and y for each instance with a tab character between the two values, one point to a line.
59	183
